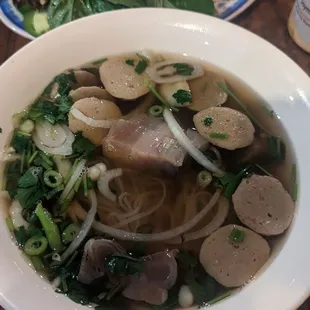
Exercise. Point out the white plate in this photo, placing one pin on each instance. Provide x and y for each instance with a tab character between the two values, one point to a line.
286	282
9	15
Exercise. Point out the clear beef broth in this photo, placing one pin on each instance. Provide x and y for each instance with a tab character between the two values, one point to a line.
152	189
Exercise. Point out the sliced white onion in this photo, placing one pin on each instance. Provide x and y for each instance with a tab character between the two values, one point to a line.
15	211
166	235
50	135
164	72
63	149
90	121
103	183
74	177
187	144
89	220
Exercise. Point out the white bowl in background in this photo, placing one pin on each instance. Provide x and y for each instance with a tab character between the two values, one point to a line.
278	80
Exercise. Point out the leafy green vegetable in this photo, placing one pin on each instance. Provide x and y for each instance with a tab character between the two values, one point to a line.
183	69
21	236
130	62
21	142
82	145
237	235
183	96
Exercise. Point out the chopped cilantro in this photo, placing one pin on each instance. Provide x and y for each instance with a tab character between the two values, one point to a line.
236	235
82	145
64	83
183	69
182	96
130	62
208	121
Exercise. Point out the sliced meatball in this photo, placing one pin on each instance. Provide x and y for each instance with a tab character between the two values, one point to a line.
98	110
88	92
121	80
232	263
85	78
225	127
262	204
206	92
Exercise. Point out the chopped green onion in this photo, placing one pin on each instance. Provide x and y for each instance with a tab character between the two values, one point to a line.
156	110
237	235
35	245
70	233
158	96
52	178
183	69
22	162
218	135
37	263
9	224
294	185
54	191
46	159
99	61
208	121
27	126
141	66
219	298
78	184
50	228
204	178
130	62
276	148
85	186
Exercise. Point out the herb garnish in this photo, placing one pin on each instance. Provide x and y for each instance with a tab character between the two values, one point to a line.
82	146
141	66
218	135
237	235
21	142
99	61
182	96
183	69
294	185
208	121
130	62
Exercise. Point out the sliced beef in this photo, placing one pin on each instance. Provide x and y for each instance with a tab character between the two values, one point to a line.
159	271
159	275
93	262
230	263
262	204
143	142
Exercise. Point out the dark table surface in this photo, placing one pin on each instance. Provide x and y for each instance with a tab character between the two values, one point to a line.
267	18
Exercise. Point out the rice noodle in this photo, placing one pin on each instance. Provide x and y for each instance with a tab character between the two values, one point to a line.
137	237
216	222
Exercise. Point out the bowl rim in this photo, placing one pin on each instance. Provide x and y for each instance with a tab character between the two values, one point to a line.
298	283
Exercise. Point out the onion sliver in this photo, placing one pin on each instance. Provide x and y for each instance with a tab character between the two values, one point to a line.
50	135
166	235
188	145
15	211
85	227
90	121
64	149
103	183
165	72
74	177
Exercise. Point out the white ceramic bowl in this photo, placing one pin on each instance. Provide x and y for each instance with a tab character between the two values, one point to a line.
286	282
